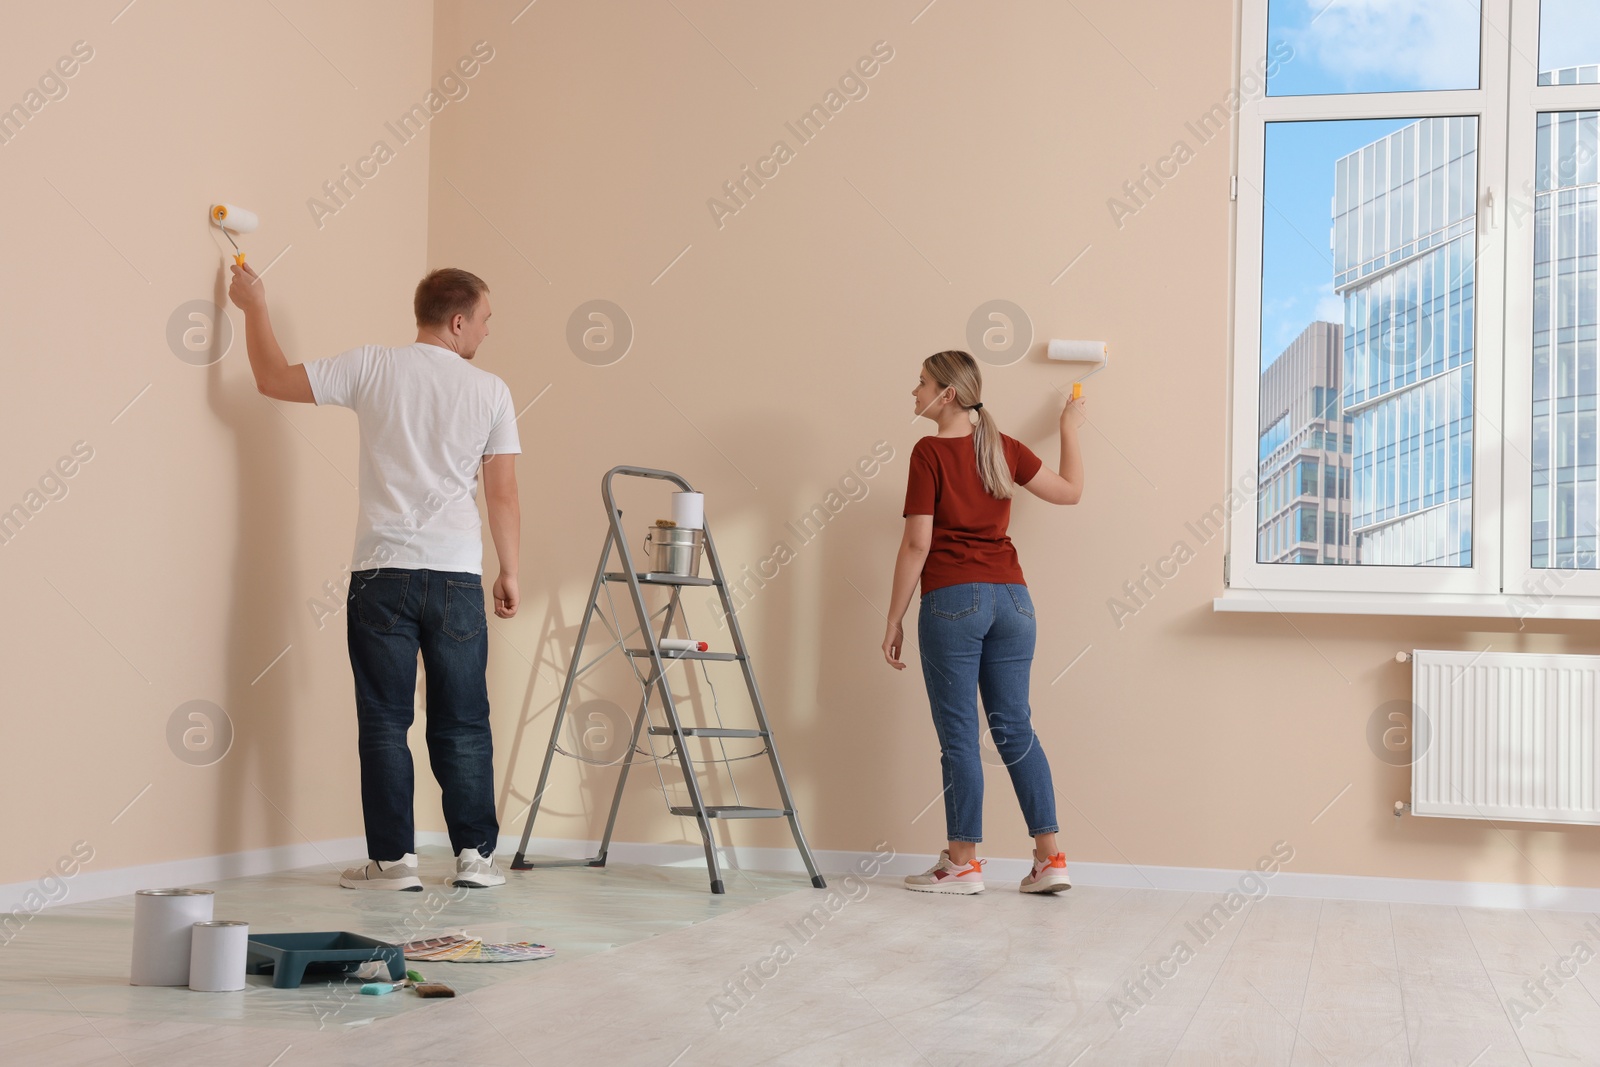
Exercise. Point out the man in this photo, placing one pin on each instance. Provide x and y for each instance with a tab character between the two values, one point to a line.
428	420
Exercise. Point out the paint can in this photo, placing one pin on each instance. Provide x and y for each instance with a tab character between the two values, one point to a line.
674	549
163	933
217	958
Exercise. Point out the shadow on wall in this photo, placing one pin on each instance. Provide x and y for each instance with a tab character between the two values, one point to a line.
580	735
604	706
260	609
592	725
786	600
818	608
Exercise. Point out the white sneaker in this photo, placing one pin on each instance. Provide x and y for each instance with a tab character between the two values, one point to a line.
399	874
947	877
474	870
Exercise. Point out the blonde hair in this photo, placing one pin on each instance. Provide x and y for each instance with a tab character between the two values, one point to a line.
958	370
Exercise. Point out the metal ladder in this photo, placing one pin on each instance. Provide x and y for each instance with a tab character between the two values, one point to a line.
658	661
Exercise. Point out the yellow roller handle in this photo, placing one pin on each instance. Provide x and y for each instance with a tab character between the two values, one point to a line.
1077	390
239	259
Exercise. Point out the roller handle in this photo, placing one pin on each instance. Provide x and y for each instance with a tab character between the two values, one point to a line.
219	215
1077	390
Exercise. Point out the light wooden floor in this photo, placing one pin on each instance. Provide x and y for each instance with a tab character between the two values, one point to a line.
893	977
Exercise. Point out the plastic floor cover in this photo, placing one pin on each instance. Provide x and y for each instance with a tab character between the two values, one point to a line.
74	958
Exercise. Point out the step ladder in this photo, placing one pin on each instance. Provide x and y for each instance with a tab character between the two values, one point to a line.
658	661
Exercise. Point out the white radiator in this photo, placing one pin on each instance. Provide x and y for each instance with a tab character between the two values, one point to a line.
1506	736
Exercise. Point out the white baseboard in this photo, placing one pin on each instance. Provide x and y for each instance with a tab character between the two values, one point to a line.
1285	883
91	884
23	898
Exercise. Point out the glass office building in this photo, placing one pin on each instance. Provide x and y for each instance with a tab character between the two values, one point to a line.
1404	226
1304	460
1563	510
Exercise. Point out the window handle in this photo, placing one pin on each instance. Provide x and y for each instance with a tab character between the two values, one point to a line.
1486	208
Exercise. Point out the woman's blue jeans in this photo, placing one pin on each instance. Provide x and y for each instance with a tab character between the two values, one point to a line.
979	637
392	613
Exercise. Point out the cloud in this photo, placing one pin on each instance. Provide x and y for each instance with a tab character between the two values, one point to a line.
1286	317
1330	305
1372	45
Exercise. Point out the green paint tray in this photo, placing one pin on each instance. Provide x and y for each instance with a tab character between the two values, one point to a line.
289	957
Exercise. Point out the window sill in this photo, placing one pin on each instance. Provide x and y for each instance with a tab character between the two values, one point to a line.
1423	604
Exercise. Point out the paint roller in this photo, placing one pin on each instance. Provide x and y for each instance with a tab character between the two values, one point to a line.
1079	352
232	219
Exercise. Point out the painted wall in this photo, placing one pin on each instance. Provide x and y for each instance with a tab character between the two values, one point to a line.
178	559
772	355
775	344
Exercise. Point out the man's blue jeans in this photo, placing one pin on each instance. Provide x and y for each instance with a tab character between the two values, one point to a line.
391	614
979	636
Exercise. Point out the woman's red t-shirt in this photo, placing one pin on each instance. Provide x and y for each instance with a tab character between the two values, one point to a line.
969	541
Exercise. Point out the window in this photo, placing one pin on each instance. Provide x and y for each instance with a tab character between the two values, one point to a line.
1274	437
1416	257
1308	477
1308	522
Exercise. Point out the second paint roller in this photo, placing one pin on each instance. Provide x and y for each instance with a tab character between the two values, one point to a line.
232	219
1094	352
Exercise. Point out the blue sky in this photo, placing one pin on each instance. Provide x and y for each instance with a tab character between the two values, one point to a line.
1569	34
1373	46
1340	47
1297	263
1347	46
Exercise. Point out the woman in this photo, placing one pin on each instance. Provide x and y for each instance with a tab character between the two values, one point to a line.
975	626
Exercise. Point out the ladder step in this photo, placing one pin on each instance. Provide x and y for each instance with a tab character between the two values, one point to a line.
734	811
660	578
707	731
667	654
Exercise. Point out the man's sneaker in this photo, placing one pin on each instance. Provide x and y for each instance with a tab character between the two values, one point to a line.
398	874
947	877
474	870
1047	876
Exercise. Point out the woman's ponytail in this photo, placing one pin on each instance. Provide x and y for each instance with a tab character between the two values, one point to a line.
958	370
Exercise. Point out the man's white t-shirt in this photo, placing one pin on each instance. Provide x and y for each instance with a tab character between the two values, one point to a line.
428	417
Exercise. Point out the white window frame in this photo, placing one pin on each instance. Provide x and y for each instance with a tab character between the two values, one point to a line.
1527	100
1506	122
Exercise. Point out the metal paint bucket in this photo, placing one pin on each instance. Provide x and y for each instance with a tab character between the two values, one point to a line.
674	550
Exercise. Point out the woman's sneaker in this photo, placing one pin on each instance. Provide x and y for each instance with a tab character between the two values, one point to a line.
400	874
1047	876
947	877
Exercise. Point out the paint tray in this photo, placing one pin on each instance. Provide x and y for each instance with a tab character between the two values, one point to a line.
289	957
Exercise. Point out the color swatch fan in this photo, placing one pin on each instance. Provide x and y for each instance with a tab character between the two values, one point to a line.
459	948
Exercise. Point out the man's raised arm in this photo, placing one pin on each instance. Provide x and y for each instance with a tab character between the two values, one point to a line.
274	376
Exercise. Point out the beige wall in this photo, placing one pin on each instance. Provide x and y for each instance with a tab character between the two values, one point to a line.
782	345
767	362
181	560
